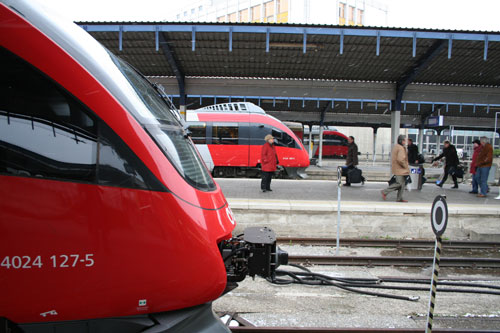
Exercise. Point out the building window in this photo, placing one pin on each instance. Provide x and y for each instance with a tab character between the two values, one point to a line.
244	15
200	9
185	14
192	11
256	13
178	16
342	10
351	14
359	19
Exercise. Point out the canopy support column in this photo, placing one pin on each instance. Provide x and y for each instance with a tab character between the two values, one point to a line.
177	69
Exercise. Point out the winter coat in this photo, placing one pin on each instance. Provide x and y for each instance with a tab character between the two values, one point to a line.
268	159
485	157
473	164
399	161
352	154
450	154
412	153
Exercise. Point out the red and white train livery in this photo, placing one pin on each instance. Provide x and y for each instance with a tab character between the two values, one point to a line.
109	219
230	136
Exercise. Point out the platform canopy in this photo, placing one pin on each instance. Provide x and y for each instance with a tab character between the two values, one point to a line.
318	74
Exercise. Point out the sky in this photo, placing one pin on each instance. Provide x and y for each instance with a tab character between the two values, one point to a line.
434	14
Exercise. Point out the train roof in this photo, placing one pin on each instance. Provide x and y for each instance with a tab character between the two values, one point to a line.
237	107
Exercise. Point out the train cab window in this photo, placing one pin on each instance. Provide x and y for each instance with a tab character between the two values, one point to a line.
243	107
119	166
45	132
225	134
165	128
198	132
283	139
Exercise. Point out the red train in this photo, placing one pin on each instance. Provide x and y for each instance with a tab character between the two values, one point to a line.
230	136
109	219
334	143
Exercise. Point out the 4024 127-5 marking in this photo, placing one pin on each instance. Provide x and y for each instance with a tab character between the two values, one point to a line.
53	261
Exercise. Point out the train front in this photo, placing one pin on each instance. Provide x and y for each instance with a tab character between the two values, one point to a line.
135	234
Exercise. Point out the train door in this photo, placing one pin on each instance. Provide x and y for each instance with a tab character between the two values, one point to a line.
257	134
225	145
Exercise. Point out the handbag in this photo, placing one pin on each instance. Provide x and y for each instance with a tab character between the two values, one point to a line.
393	180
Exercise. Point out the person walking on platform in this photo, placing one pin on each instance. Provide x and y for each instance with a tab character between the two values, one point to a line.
412	152
473	166
450	153
269	161
483	163
351	161
399	168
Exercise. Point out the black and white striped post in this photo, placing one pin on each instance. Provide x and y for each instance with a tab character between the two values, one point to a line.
439	220
339	184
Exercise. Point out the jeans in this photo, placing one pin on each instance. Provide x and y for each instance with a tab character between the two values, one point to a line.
483	174
475	182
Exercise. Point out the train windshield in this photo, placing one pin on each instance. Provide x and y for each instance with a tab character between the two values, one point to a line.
165	127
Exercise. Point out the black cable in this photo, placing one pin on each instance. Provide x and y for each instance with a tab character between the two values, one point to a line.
344	280
468	291
325	280
446	283
233	252
306	277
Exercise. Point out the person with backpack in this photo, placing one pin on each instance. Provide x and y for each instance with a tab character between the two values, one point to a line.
451	164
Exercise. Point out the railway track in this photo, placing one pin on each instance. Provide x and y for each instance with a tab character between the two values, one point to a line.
391	243
394	261
246	326
345	330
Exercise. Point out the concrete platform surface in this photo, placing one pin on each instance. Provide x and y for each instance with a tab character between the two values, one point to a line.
325	190
308	208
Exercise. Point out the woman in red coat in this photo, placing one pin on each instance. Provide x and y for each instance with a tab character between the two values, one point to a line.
268	162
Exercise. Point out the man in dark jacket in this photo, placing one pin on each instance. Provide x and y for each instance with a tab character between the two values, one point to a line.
412	152
351	160
450	153
268	162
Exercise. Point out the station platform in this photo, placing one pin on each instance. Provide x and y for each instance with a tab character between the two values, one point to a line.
308	208
378	171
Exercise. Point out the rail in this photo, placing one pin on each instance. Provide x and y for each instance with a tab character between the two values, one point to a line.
394	261
397	243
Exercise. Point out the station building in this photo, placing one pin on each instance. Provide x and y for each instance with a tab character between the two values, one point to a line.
338	12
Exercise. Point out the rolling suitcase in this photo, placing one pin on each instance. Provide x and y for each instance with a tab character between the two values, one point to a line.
354	176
